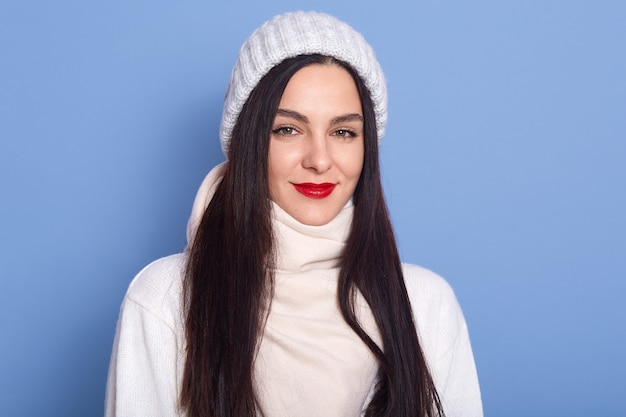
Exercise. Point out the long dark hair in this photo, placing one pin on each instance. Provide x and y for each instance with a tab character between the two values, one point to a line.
229	281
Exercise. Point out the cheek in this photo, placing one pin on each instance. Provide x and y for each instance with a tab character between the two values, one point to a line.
359	166
349	159
354	164
275	180
280	156
279	166
272	175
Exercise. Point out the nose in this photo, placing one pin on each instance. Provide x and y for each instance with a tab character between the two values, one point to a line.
318	156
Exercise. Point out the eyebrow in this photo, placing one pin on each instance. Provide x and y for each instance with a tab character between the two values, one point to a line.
353	117
337	120
293	114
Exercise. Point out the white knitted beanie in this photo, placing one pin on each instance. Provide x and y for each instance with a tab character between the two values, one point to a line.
300	33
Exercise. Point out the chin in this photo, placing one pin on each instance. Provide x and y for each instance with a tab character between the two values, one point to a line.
315	216
312	212
315	222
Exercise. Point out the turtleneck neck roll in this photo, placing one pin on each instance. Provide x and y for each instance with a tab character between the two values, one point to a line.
310	362
301	248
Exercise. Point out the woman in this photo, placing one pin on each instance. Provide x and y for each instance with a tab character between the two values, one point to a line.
291	299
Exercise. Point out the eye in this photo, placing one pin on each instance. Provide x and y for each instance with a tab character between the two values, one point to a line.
285	131
345	133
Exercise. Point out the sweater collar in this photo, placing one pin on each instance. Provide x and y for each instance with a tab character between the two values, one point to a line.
301	248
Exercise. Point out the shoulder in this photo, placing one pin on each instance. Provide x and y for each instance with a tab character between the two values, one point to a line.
436	311
424	285
443	336
157	288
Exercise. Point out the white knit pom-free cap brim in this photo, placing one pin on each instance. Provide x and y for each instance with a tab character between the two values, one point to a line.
301	33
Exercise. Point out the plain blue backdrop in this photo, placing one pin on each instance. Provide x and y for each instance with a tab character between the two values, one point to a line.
504	166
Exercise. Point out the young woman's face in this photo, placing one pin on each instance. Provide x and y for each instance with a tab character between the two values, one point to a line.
316	146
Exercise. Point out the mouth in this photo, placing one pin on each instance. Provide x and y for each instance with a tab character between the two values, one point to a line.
312	190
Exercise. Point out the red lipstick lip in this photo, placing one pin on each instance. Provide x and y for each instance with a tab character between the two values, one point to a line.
312	190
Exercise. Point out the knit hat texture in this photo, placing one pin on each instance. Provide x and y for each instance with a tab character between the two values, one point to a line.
300	33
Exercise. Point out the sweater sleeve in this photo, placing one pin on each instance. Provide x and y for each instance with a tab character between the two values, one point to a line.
144	373
445	340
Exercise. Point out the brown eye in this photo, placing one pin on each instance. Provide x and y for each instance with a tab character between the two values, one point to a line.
345	133
285	131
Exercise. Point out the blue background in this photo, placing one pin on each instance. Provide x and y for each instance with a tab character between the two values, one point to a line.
504	166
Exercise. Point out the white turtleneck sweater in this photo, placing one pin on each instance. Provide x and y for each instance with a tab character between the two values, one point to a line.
310	363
